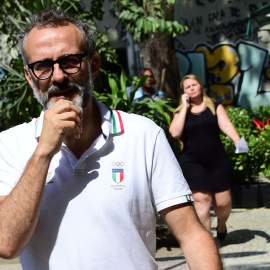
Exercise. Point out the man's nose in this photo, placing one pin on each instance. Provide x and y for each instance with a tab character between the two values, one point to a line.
58	74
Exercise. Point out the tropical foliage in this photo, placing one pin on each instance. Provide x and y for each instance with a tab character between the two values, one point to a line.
141	17
159	111
247	166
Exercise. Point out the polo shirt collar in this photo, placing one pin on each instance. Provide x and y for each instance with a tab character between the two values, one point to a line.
111	121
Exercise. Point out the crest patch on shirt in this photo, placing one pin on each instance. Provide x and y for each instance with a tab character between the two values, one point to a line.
118	175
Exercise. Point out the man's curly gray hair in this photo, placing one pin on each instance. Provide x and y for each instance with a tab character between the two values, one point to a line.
55	18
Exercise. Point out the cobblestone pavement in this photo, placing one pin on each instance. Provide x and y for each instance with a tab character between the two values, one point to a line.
247	246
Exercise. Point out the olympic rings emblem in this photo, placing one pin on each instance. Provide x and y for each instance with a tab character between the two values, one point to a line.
118	164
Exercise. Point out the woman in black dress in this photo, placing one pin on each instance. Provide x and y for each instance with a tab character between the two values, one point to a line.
197	122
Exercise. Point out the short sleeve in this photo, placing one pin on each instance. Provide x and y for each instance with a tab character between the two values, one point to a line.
15	151
169	186
9	172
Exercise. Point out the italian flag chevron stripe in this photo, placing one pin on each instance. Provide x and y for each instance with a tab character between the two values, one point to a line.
117	121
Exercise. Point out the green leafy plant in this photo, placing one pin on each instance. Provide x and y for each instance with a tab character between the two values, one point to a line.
117	98
158	111
247	166
141	17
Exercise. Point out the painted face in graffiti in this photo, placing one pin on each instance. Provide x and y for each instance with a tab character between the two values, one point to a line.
192	88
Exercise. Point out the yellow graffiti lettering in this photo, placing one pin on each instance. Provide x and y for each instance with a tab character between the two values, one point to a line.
222	63
222	93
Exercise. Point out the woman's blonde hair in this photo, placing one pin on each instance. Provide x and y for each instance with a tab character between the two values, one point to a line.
207	100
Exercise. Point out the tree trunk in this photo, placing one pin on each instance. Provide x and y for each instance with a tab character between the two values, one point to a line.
158	53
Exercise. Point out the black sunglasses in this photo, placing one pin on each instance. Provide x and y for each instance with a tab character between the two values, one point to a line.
70	64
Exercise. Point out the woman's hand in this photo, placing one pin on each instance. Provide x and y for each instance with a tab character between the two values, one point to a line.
186	100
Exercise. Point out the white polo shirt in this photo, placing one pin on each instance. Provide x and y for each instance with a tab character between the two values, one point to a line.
98	212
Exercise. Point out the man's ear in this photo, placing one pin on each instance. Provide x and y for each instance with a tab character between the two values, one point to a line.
95	64
27	76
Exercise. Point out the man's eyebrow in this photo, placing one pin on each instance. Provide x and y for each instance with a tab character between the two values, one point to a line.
44	59
49	59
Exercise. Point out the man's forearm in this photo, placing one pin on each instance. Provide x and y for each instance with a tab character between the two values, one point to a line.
19	211
198	246
202	253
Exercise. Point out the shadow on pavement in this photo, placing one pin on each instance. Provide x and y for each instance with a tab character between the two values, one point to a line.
242	254
165	239
243	236
260	266
173	258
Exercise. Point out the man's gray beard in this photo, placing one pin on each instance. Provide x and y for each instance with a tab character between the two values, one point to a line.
85	92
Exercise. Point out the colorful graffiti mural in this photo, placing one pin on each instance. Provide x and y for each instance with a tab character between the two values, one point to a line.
234	74
227	45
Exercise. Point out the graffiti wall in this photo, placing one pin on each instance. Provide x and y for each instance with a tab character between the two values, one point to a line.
234	67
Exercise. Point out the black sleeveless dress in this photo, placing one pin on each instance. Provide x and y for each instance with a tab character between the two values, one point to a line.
203	159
